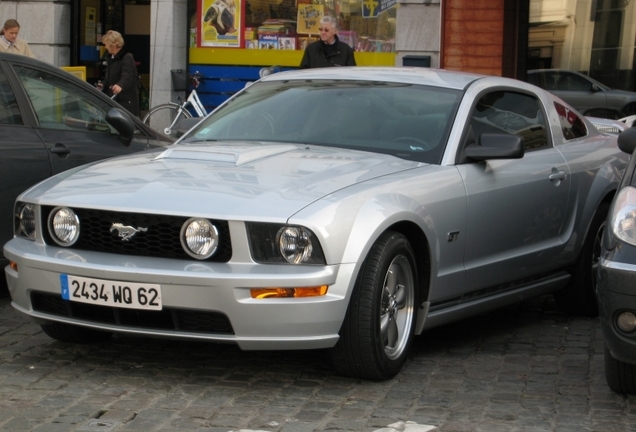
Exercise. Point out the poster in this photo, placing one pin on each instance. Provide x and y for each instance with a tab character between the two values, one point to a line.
373	8
309	15
89	27
220	23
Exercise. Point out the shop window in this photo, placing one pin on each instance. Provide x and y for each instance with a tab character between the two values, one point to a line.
292	24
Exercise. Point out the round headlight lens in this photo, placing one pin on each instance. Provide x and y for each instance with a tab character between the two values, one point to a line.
294	244
64	226
623	216
26	221
199	238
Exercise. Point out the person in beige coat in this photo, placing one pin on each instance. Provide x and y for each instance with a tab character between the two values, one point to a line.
10	42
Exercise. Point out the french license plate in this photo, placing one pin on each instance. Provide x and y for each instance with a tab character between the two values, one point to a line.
111	293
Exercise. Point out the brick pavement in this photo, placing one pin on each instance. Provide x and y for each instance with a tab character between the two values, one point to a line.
523	368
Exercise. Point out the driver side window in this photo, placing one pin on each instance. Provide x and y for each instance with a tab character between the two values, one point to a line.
9	110
506	112
60	104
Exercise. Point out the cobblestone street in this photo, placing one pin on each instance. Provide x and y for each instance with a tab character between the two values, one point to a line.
523	368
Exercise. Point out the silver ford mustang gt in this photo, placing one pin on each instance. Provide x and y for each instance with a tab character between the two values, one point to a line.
341	208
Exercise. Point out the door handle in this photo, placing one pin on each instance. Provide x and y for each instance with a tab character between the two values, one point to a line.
556	176
60	149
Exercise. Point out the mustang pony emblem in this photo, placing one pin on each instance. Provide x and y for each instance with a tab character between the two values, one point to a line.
126	232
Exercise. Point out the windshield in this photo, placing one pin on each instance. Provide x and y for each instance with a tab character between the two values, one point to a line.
405	120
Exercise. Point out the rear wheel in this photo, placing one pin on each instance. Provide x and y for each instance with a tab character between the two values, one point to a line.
630	109
74	334
620	376
162	118
378	328
579	296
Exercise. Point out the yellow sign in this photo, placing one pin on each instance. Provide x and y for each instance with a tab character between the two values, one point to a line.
309	15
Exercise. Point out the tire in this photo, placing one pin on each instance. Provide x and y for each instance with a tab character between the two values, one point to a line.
74	334
629	109
579	296
620	376
162	116
377	331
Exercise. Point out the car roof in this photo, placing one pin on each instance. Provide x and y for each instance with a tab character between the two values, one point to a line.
24	59
408	75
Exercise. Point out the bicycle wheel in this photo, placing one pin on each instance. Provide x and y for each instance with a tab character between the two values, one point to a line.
164	117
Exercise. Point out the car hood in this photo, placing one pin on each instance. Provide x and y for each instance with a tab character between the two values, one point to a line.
227	181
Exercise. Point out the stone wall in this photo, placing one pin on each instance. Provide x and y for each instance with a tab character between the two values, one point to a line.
44	24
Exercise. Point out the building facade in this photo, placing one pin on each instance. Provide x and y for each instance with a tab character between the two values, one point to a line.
499	37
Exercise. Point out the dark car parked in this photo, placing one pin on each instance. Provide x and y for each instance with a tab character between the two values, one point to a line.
51	121
616	287
587	95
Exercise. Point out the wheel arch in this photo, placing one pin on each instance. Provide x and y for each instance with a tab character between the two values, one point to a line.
629	108
421	248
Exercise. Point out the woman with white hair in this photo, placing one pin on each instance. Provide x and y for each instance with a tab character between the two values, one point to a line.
329	50
121	73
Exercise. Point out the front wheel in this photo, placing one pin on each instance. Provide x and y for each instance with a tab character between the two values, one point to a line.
378	328
579	296
620	376
163	118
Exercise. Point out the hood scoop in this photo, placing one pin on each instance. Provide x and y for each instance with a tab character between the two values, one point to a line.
236	154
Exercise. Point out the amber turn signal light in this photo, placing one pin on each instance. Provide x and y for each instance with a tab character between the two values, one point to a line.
261	293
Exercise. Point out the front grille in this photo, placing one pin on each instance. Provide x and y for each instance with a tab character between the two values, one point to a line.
195	321
162	238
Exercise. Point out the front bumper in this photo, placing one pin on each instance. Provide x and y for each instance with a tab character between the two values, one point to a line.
190	286
612	301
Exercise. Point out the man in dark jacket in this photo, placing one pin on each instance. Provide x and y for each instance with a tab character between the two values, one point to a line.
328	51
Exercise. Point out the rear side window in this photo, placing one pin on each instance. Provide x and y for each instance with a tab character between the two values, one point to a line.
571	124
9	111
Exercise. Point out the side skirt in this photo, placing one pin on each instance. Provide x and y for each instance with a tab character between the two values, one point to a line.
427	319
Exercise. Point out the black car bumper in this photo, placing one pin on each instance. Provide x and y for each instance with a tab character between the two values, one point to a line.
613	302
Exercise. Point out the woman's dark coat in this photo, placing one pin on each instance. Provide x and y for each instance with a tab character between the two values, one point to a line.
121	70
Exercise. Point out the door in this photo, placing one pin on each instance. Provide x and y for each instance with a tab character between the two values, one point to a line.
516	207
71	118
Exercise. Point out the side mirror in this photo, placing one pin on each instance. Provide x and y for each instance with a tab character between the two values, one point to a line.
627	140
496	146
595	88
122	124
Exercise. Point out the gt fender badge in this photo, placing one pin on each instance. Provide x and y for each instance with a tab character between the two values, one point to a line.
126	232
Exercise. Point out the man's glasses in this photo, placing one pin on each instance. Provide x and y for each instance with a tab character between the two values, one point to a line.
326	30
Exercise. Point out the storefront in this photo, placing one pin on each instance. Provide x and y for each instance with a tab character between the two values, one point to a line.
231	40
93	18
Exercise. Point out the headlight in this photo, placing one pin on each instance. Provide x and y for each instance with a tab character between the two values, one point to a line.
275	243
24	224
623	217
199	238
64	226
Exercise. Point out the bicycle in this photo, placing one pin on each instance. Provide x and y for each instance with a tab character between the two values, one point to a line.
170	113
